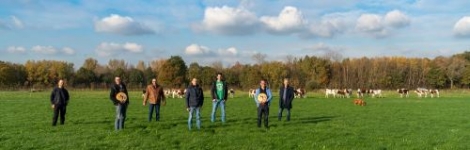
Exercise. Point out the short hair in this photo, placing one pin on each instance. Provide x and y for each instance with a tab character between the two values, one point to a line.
219	73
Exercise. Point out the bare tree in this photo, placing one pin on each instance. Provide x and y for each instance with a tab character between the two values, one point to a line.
259	58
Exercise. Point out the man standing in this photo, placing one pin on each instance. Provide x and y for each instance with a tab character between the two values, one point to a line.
121	102
155	96
194	101
219	93
286	96
59	101
263	98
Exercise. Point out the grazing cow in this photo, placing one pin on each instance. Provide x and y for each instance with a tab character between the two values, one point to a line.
251	93
434	92
403	92
232	93
361	92
359	102
421	92
376	92
331	92
143	93
299	93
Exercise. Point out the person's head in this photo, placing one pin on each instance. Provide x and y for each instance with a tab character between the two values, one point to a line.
117	80
60	84
194	82
219	76
154	81
286	81
262	83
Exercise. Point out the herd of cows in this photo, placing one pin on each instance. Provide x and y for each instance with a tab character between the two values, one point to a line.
340	93
360	93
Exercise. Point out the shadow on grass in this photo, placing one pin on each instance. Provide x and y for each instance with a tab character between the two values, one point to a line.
313	119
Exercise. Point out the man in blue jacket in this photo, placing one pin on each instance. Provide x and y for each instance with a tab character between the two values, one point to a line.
286	96
219	94
263	98
194	101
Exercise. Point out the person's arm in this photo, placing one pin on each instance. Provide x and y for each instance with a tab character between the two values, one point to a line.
112	95
52	96
256	97
146	96
67	96
225	91
187	98
214	91
292	94
270	95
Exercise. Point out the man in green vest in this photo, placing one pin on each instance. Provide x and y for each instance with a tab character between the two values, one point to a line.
219	97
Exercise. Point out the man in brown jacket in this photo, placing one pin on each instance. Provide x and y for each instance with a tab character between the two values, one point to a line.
155	96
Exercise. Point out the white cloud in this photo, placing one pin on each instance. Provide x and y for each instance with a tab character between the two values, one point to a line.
16	49
47	50
111	49
462	27
331	25
17	23
323	48
229	21
68	51
116	24
379	26
195	49
397	19
232	51
290	20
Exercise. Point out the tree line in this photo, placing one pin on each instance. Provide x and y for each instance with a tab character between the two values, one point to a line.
309	72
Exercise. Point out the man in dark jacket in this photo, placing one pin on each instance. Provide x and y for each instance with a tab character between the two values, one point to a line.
59	101
219	94
194	101
286	96
121	105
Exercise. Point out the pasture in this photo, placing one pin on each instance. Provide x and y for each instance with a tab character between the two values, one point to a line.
316	123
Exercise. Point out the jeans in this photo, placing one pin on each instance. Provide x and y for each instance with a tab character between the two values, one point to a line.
198	117
263	113
157	111
58	110
222	110
280	113
121	110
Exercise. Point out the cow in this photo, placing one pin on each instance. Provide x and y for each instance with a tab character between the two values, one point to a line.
434	92
403	92
232	93
421	92
178	93
299	93
361	92
251	93
331	92
376	92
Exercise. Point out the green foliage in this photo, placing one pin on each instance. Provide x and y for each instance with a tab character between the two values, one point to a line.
173	72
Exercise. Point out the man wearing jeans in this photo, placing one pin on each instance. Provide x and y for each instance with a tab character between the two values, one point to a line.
263	102
121	106
155	96
286	96
194	101
219	93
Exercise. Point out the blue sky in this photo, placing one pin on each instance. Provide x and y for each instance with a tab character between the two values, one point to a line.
206	31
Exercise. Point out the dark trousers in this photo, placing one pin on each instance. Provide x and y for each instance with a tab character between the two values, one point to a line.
280	113
155	107
263	113
58	111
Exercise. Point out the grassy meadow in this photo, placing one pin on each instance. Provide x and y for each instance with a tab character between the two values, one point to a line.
316	123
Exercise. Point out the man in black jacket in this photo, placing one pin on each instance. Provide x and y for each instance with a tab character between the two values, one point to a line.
194	101
219	94
121	106
59	101
286	96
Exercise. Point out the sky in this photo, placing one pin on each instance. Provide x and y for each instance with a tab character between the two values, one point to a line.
230	31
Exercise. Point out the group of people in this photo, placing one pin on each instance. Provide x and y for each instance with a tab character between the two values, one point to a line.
194	98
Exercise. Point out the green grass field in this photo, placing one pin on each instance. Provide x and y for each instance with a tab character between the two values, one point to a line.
316	123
